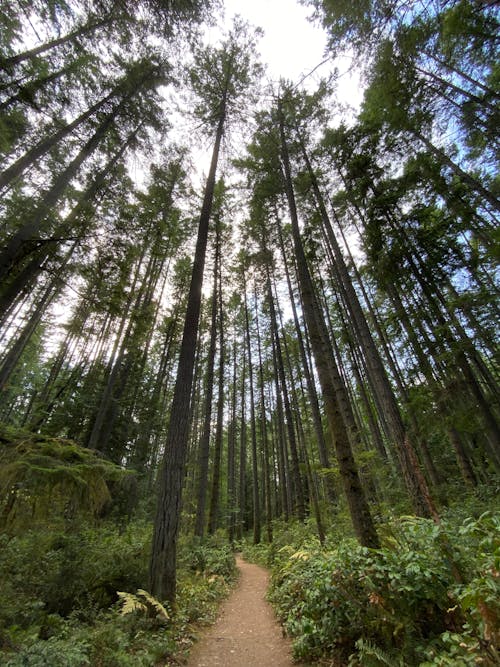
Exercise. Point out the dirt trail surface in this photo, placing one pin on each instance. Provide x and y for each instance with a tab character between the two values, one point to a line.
246	633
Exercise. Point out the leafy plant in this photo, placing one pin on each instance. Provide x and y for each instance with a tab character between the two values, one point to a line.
143	602
401	604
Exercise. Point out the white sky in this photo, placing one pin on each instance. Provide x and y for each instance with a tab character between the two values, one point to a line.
292	46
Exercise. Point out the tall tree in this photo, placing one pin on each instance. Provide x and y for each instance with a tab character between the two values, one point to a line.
221	77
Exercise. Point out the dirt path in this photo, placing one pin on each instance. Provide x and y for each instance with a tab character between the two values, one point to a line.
246	633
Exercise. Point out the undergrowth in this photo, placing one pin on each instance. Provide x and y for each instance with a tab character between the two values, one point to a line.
59	602
429	597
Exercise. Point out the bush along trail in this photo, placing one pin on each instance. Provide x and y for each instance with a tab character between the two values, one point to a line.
400	605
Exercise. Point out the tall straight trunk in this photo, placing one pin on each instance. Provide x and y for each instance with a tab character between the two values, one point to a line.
204	445
457	89
21	243
438	391
298	491
95	435
144	448
472	182
452	68
311	480
88	28
242	490
216	469
334	392
231	453
44	146
283	470
24	279
26	93
264	430
311	387
416	486
163	565
253	431
389	354
14	354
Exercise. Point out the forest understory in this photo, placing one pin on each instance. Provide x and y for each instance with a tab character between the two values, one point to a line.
240	313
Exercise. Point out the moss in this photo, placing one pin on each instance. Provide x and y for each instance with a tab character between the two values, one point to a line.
43	477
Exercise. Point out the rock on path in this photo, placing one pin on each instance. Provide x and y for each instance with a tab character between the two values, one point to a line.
246	633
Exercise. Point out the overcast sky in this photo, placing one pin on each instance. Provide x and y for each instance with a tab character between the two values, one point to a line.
292	46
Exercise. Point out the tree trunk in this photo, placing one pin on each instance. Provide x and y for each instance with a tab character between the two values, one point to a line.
21	243
214	499
253	432
415	484
7	63
163	565
334	393
298	492
204	446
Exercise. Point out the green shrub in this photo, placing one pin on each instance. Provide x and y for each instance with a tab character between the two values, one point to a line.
401	604
52	653
208	558
91	633
46	573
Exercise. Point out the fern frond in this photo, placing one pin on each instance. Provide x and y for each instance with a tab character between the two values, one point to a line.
130	603
154	604
371	655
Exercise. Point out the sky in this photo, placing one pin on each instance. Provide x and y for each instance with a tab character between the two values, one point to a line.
292	46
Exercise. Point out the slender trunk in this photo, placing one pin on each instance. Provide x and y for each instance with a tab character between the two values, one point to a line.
298	493
26	93
415	484
204	445
334	393
214	499
24	240
88	28
14	354
47	144
311	388
263	430
163	565
231	454
447	65
242	491
472	182
458	90
253	432
79	217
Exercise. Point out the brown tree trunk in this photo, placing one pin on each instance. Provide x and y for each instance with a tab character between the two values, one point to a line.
163	565
334	392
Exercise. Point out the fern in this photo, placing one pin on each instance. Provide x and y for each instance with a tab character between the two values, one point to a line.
154	604
131	603
371	655
142	602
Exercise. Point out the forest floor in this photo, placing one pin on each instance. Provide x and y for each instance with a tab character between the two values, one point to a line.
246	632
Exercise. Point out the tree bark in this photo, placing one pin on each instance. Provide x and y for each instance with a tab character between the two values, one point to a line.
334	392
163	565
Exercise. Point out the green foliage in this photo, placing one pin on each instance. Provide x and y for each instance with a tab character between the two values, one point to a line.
62	597
52	653
208	558
56	573
401	604
143	602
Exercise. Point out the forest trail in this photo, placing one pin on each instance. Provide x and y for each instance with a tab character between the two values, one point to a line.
246	633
